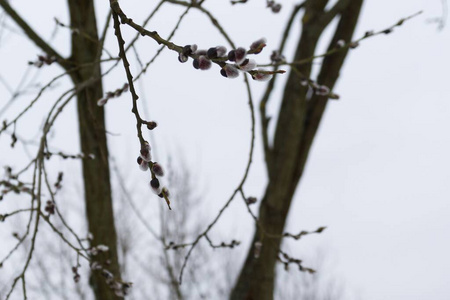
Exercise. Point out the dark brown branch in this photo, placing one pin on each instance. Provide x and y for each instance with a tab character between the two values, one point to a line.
126	64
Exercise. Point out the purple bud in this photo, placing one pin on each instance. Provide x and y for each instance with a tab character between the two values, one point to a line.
154	183
212	53
145	154
247	65
182	58
194	48
221	51
151	125
189	49
250	200
232	55
240	54
204	63
196	63
260	76
229	71
157	169
257	46
215	52
50	207
276	8
143	165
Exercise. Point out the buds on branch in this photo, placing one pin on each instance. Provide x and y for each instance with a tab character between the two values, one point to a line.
236	60
43	59
110	95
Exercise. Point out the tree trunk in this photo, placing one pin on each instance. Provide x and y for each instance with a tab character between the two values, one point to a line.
298	120
96	177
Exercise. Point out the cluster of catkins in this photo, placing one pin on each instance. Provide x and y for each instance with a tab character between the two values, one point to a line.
145	163
231	63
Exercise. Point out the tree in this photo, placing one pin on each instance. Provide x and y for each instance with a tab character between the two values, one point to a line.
303	103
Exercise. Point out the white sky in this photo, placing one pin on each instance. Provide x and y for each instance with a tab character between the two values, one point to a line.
379	170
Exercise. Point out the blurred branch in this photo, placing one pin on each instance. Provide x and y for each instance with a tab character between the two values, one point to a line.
348	45
32	35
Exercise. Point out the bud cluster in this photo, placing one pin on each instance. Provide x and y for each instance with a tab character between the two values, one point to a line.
318	89
231	63
285	259
43	60
275	7
120	289
12	184
110	95
76	275
50	207
145	163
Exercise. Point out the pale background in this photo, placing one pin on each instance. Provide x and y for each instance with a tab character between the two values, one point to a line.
379	171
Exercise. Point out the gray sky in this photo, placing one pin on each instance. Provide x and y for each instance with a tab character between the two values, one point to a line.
379	170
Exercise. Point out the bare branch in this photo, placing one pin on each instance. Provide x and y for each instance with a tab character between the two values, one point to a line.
32	35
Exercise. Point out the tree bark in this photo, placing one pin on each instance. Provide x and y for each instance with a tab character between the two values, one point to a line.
96	177
298	120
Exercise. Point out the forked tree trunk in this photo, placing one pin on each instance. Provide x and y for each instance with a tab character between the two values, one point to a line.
298	121
96	177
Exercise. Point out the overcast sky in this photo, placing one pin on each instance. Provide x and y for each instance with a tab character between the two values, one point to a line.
379	171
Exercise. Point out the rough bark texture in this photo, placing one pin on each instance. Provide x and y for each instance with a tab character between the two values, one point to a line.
96	177
298	120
